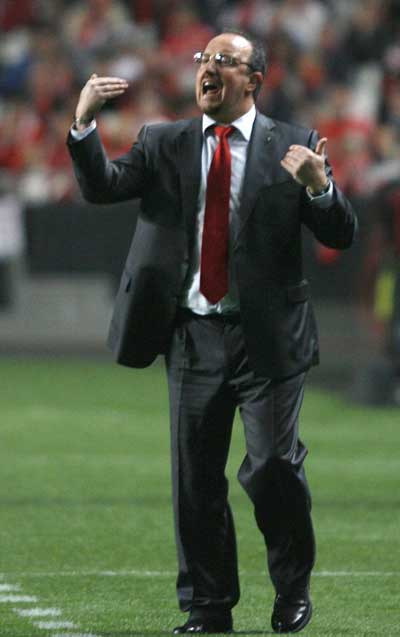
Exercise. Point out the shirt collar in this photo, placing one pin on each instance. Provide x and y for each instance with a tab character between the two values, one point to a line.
244	124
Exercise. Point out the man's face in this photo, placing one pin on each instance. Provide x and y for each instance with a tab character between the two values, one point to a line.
226	92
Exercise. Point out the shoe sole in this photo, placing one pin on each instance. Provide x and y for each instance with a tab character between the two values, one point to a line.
228	631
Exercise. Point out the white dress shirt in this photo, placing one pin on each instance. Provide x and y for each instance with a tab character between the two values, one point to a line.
192	298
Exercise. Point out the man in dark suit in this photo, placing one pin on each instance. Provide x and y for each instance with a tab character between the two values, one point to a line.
214	281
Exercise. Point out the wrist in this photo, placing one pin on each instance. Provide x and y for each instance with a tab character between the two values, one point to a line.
82	122
319	189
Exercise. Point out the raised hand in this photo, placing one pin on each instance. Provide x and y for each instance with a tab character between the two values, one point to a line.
306	166
96	92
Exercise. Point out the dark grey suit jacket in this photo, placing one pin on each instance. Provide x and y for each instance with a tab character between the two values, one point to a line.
163	168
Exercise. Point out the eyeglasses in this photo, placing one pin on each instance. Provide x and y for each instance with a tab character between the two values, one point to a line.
220	59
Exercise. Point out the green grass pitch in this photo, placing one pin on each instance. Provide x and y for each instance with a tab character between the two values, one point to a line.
86	523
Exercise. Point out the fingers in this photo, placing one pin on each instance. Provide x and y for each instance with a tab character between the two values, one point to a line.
107	87
304	151
96	92
301	152
321	146
106	93
103	81
302	155
290	166
288	162
294	158
306	166
298	153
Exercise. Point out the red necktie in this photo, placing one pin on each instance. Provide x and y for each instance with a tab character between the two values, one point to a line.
214	247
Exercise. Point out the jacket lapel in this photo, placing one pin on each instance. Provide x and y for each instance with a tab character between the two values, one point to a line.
262	166
189	146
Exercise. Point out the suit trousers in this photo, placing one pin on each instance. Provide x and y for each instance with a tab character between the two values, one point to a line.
208	378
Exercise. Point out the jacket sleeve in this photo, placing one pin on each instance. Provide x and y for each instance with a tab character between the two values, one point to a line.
104	181
335	226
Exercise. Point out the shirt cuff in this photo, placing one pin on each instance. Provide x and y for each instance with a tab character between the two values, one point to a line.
322	201
81	134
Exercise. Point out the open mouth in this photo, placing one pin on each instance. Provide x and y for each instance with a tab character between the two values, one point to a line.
210	87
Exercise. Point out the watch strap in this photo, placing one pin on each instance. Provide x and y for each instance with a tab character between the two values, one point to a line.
321	193
82	121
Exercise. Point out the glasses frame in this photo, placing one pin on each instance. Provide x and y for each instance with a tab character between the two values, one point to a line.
230	60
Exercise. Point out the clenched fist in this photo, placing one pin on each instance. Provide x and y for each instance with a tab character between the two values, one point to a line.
95	93
306	166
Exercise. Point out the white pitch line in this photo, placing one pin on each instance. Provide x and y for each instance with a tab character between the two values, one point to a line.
74	635
54	625
8	588
37	612
15	599
130	573
356	574
145	573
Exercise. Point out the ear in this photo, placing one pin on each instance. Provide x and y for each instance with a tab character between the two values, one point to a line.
255	80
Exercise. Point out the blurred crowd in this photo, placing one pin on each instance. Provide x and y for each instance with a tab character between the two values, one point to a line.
332	64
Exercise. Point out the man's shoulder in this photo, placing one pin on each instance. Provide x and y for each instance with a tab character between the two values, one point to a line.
288	132
170	130
285	129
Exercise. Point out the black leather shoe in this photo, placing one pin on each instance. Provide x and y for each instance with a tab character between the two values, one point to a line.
204	626
291	614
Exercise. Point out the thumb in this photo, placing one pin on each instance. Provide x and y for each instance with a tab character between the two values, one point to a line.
321	146
93	76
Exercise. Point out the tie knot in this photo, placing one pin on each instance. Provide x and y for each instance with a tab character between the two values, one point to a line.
223	131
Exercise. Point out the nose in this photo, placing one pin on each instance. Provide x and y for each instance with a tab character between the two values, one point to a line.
211	64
